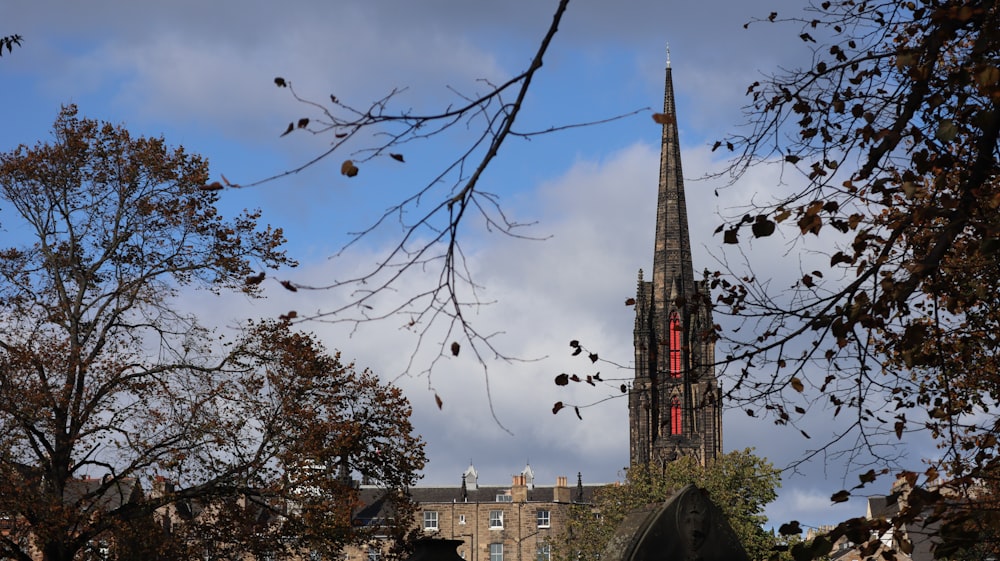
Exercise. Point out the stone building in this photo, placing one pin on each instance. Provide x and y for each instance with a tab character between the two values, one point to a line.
675	399
515	522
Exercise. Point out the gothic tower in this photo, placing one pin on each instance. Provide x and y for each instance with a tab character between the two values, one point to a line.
675	400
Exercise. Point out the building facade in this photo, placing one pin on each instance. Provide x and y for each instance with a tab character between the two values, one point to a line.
675	398
516	522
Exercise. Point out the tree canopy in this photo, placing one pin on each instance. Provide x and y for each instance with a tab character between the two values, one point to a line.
889	147
120	415
739	483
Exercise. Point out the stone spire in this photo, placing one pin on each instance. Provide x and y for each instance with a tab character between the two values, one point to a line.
672	245
675	401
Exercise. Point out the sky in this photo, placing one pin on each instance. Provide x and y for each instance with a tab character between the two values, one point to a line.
201	75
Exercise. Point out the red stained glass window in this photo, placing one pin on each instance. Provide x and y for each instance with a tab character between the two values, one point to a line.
675	416
675	346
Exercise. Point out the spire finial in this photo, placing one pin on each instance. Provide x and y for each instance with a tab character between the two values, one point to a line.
668	55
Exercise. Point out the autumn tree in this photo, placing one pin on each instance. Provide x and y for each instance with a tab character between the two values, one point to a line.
889	147
121	415
739	483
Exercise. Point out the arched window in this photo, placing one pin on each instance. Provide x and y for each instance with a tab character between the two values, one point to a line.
675	415
675	345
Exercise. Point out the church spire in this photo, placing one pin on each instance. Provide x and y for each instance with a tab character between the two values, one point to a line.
672	246
675	400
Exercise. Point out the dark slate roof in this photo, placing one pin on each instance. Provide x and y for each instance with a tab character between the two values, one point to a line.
883	506
488	494
376	507
103	495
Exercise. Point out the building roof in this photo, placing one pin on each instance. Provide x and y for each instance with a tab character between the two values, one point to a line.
377	507
488	494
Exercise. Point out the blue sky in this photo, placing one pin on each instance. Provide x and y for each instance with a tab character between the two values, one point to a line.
200	74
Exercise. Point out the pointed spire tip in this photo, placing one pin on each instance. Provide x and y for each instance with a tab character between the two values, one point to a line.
668	55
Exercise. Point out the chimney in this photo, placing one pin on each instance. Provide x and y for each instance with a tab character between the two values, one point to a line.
519	490
162	486
560	493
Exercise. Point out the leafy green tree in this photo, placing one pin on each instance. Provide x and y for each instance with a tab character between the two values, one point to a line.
739	483
120	414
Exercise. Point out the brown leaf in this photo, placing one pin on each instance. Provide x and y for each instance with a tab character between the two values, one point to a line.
289	286
931	474
574	343
730	236
839	257
557	406
562	379
280	82
397	157
289	316
255	279
664	118
593	357
630	301
303	122
947	130
762	227
797	384
988	76
213	186
841	496
437	400
291	127
455	347
867	477
577	411
624	388
348	168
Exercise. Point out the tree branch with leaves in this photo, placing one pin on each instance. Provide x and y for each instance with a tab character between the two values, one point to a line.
424	279
888	143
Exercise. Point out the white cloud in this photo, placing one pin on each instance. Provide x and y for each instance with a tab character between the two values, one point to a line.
812	507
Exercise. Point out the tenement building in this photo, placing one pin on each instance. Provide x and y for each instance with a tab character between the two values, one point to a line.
515	522
675	399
